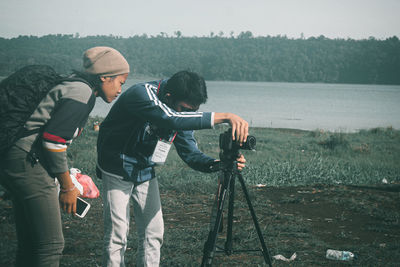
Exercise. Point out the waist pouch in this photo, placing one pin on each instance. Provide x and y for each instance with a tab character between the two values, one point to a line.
135	171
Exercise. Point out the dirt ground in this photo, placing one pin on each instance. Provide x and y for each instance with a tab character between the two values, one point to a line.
302	220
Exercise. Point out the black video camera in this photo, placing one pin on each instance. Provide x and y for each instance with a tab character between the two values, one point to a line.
230	149
232	146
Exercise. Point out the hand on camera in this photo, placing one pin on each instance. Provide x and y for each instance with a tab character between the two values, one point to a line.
240	127
241	162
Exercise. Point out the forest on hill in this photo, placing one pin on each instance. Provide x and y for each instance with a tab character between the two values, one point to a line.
235	58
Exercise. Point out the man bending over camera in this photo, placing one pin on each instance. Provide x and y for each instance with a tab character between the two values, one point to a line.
134	137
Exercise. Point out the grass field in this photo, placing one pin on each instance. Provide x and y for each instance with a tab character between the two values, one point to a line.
311	190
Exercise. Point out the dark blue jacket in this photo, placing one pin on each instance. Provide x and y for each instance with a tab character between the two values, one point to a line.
135	123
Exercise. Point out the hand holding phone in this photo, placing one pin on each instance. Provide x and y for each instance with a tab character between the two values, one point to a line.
82	207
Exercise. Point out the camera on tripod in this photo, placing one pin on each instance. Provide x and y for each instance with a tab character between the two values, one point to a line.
230	146
226	187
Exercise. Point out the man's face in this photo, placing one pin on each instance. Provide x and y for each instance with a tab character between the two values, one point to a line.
180	106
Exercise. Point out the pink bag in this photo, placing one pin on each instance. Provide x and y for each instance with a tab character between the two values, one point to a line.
90	190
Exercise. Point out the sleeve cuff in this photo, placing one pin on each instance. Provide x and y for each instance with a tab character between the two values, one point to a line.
56	162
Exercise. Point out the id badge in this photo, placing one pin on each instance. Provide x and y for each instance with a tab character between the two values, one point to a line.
161	152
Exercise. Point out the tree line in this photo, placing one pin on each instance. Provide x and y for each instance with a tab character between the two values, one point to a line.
240	58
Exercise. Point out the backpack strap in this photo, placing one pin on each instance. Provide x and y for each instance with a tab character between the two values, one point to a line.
76	79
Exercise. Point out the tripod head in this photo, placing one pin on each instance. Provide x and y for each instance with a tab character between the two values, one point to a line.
230	148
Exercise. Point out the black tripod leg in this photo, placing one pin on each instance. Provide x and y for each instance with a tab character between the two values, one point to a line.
265	252
215	205
209	246
228	243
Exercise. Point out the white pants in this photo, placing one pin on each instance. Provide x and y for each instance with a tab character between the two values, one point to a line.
148	219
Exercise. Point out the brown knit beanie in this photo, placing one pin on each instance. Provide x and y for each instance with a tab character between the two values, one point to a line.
104	61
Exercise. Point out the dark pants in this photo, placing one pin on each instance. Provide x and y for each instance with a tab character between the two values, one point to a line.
36	208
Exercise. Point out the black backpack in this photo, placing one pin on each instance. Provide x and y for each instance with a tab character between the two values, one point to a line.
20	94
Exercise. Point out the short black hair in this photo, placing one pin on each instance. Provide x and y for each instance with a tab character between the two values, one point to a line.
187	86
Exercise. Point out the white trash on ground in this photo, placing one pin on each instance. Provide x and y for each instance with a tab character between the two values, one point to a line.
283	258
339	255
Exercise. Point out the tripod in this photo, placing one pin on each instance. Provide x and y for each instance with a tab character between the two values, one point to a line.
228	165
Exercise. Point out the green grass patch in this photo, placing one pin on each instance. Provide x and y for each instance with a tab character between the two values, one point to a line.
283	157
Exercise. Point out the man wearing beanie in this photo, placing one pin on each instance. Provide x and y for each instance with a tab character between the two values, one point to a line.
30	165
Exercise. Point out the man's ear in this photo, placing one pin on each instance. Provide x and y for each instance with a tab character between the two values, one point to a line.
168	98
103	78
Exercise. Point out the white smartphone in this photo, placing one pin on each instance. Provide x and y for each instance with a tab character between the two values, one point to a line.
82	207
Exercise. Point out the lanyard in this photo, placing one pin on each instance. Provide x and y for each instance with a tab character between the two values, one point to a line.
158	88
173	138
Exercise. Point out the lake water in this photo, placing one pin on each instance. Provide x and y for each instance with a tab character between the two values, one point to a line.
333	107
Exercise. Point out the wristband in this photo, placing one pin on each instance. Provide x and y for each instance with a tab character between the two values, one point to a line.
67	190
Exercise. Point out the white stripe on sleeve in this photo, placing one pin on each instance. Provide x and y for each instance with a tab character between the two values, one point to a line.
168	111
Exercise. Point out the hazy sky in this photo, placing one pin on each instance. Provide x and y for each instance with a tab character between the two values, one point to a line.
355	19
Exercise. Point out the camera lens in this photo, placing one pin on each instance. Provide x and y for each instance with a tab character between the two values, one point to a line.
250	143
228	145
